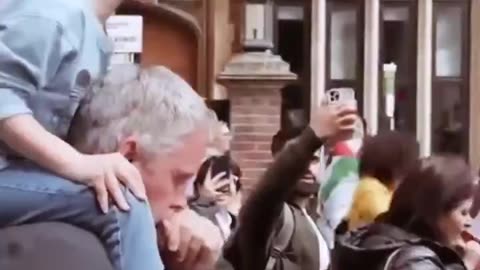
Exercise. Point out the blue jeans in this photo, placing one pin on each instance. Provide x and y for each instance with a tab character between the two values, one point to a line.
29	194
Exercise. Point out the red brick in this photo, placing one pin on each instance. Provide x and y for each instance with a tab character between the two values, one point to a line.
257	155
256	129
258	93
255	101
263	146
253	173
243	146
255	119
275	102
252	138
268	110
256	164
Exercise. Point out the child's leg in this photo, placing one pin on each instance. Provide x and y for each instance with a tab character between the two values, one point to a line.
29	194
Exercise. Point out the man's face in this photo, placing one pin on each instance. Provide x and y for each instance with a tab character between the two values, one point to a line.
167	175
311	175
308	184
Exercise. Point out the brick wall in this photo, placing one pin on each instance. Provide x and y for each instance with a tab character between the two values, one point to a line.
255	118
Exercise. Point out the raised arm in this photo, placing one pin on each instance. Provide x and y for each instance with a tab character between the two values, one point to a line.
263	208
266	201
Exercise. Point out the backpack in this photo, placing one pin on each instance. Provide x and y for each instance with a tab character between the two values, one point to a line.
282	239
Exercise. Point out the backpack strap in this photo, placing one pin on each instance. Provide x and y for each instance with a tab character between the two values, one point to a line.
392	256
282	238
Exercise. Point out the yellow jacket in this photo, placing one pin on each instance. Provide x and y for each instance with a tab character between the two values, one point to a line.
371	199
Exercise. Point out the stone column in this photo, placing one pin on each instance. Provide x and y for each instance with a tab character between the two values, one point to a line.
424	76
371	74
474	86
253	81
318	51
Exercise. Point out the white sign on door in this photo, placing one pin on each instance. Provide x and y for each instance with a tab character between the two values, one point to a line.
126	33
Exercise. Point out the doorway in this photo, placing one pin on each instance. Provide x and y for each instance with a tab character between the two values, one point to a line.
450	78
292	37
398	45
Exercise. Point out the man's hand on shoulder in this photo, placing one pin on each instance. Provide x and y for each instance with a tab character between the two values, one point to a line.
189	242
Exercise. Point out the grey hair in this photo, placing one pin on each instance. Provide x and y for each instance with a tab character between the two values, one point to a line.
154	104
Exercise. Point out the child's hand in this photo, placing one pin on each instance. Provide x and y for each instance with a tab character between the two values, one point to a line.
102	172
105	173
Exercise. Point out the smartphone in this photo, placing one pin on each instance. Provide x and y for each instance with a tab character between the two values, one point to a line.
345	96
338	96
221	164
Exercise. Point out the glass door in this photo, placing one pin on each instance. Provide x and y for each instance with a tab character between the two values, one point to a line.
345	28
398	45
292	37
450	82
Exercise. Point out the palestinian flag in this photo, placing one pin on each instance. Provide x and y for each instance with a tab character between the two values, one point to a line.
339	181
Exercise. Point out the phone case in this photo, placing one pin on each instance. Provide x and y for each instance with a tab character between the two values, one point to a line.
221	164
340	95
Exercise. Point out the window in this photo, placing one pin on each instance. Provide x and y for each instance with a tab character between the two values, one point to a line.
398	45
450	82
292	43
343	43
448	41
345	28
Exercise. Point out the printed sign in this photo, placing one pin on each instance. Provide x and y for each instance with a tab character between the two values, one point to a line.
126	33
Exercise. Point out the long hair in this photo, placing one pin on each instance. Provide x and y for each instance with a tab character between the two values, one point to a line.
435	187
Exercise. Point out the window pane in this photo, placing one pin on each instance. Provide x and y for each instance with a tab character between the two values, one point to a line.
395	14
448	51
397	33
291	13
255	21
448	118
343	43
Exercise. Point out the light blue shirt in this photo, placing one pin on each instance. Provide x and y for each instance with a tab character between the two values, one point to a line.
50	53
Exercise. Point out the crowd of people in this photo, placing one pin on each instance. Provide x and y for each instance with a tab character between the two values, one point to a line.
124	167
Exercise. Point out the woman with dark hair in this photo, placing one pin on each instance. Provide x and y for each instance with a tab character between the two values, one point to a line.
215	192
423	227
384	160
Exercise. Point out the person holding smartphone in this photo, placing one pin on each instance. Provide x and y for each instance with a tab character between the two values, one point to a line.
216	186
274	229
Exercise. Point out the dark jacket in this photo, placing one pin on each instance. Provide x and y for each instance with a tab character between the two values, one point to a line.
260	217
370	247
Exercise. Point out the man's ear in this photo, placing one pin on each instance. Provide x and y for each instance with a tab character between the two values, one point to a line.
129	148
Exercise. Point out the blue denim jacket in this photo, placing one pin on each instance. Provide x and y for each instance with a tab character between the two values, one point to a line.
50	52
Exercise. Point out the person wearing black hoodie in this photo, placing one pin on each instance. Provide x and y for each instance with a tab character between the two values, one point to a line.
423	227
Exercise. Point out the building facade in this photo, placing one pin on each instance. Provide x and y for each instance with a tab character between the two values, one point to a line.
327	44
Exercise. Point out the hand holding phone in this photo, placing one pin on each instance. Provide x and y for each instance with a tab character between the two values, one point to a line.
221	165
345	97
